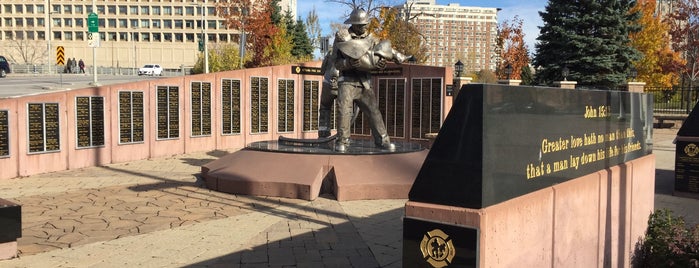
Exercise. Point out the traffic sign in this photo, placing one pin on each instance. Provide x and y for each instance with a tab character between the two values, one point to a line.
93	39
60	56
92	24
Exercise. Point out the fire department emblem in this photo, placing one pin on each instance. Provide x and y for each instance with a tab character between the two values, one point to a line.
691	150
437	248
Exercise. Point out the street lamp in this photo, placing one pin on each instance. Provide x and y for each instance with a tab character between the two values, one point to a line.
48	38
565	72
204	37
508	71
133	39
244	14
633	73
459	67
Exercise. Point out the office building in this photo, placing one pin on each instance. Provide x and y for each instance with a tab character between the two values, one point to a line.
455	32
131	32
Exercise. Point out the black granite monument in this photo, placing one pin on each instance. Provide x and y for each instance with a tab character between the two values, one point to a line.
499	142
687	156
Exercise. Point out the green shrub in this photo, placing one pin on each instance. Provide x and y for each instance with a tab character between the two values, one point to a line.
668	242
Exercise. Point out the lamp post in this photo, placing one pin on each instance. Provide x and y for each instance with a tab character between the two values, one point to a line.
244	14
48	38
459	67
133	39
508	71
204	37
565	72
633	73
456	83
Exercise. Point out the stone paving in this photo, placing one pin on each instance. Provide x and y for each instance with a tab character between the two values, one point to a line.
154	213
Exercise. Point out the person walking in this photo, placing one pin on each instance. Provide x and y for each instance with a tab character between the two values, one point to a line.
81	65
74	66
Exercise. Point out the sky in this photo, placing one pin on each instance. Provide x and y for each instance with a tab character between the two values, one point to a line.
527	10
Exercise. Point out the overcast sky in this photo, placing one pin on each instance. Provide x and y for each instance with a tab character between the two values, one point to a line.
525	9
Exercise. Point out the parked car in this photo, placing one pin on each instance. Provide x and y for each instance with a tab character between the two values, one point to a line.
151	69
4	67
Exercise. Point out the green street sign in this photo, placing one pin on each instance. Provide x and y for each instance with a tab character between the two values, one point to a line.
92	25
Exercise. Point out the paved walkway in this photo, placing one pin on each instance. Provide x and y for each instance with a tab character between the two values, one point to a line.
153	213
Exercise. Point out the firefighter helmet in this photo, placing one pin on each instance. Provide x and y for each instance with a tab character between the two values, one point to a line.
358	16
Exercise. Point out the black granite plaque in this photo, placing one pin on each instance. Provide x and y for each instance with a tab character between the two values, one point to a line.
173	112
97	120
388	72
125	117
285	105
431	244
391	94
264	105
138	117
35	124
168	112
82	121
89	121
306	70
687	166
4	133
259	104
130	116
426	109
196	108
53	133
206	108
499	142
43	127
162	112
310	104
230	103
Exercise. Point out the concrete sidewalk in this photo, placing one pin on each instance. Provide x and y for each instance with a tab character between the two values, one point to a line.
154	213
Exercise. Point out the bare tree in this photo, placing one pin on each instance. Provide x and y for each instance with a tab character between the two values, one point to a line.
28	51
313	28
373	7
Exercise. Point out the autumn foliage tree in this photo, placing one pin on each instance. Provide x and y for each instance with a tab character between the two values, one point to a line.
512	49
255	19
404	36
659	64
684	30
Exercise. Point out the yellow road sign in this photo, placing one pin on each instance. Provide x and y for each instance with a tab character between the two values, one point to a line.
60	57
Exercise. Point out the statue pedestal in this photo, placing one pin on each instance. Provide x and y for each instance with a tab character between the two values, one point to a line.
272	169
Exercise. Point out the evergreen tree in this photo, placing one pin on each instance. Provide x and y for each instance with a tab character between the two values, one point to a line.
591	38
276	16
303	49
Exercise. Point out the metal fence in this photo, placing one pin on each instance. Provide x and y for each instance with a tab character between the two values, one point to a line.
673	100
56	69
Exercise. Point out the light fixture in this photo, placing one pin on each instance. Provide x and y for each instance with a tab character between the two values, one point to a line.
508	71
633	73
459	67
565	72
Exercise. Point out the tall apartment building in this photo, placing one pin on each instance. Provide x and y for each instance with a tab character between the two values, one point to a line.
131	32
455	32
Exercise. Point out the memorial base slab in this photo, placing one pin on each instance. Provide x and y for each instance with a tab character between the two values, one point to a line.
273	169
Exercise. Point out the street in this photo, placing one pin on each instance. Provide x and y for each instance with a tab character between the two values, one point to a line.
15	85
